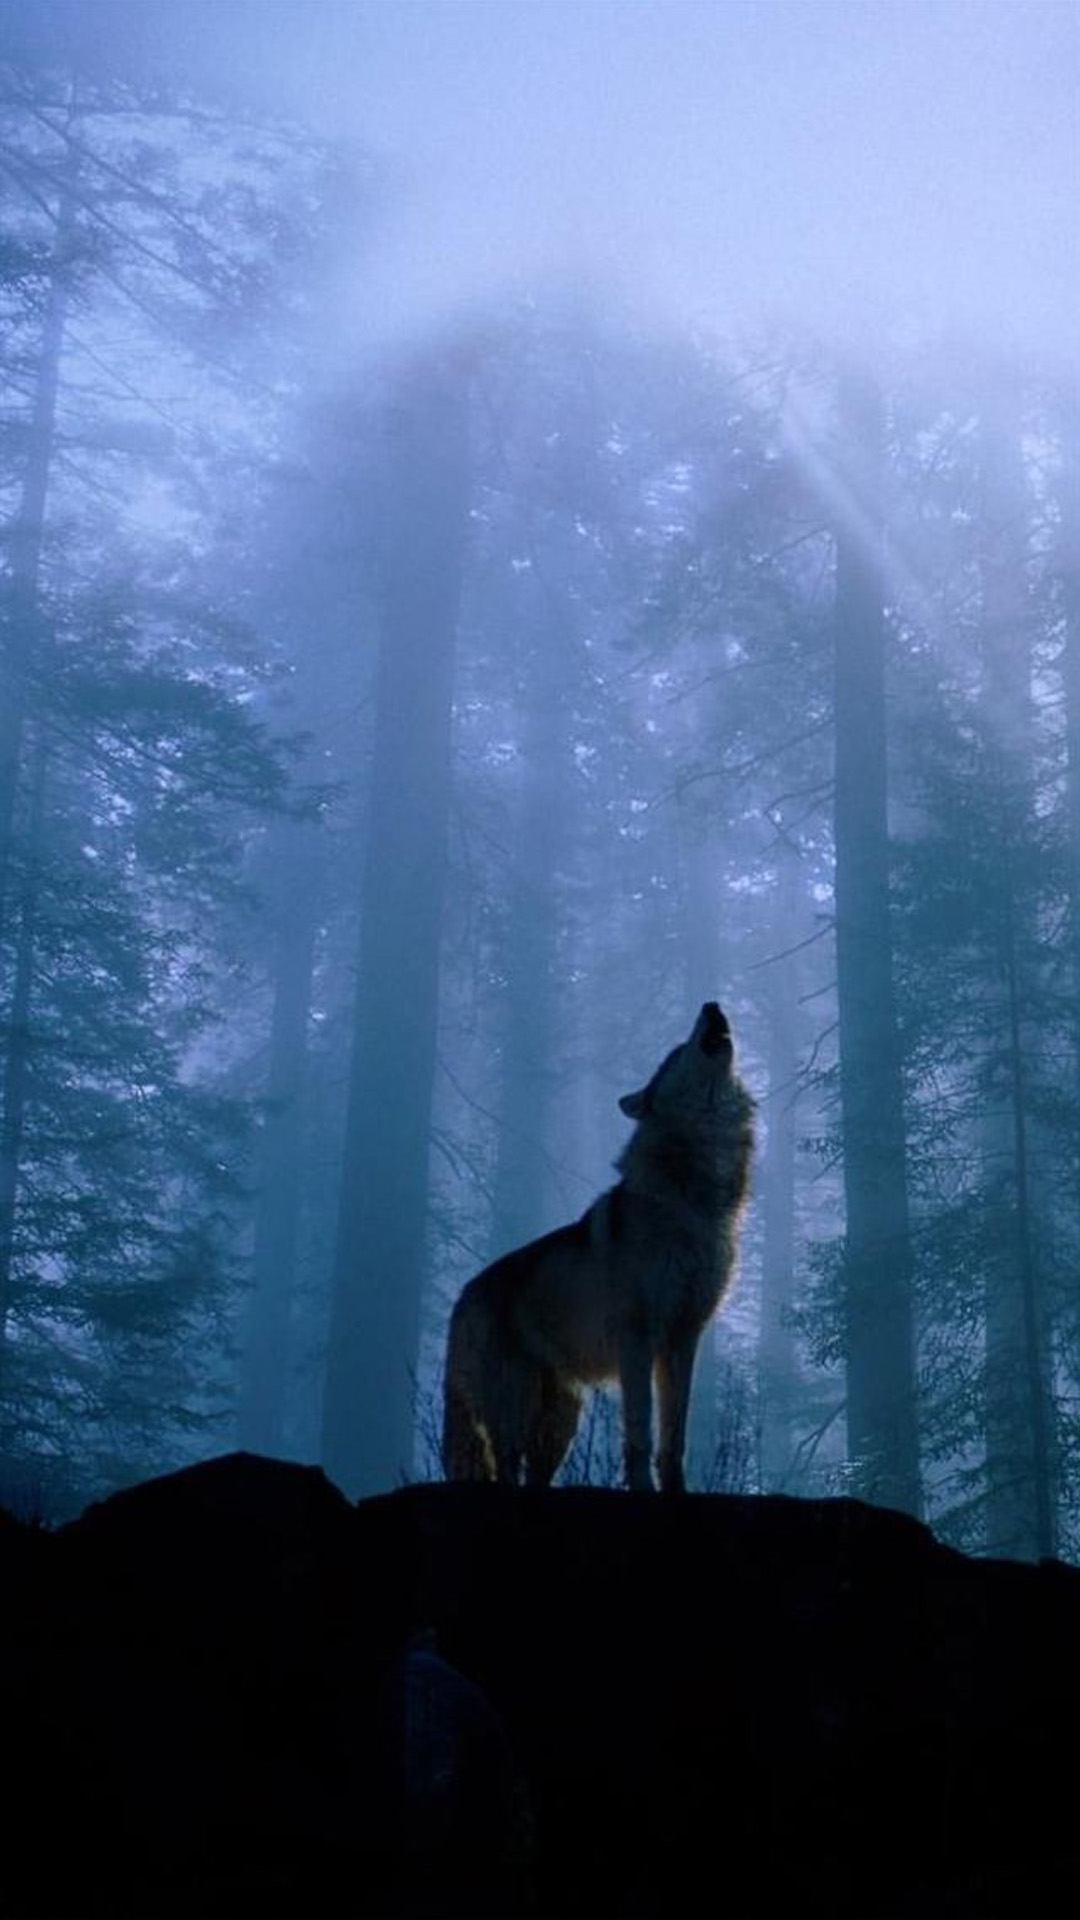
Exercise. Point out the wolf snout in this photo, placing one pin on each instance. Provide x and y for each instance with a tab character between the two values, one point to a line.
713	1030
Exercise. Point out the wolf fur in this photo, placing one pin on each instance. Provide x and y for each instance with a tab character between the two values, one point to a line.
624	1293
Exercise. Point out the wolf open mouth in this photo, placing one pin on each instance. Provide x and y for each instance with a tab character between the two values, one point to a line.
714	1028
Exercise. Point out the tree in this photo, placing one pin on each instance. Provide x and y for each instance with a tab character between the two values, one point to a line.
294	886
776	1341
978	879
1020	1501
132	771
419	548
877	1271
123	1167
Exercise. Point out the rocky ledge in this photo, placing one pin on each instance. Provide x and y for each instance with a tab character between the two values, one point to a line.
230	1692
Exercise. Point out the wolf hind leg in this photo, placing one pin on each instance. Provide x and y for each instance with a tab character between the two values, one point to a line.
552	1429
509	1401
635	1381
466	1452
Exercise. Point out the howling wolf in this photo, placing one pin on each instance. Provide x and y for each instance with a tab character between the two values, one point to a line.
623	1293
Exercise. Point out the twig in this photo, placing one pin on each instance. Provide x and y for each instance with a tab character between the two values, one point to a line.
786	952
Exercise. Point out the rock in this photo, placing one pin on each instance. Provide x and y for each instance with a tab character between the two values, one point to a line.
229	1692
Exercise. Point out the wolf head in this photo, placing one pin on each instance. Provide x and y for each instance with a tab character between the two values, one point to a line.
688	1082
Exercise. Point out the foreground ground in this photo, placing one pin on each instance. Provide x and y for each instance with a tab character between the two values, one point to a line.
230	1692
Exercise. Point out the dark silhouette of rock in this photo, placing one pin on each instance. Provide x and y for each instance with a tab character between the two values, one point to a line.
229	1692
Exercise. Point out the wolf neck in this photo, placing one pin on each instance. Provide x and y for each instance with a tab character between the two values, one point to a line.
682	1170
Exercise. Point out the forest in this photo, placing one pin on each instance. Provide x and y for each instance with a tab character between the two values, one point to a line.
420	693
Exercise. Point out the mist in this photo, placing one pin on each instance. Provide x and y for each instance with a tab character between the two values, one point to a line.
523	521
879	171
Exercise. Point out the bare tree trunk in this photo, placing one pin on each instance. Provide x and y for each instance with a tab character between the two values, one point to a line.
281	1159
1020	1506
879	1318
1040	1515
1069	571
701	969
1069	575
382	1217
523	1199
528	1194
776	1347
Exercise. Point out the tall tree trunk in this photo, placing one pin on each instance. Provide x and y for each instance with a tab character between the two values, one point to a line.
21	612
523	1198
1020	1508
528	1196
281	1158
879	1319
1036	1433
17	1039
701	970
1069	573
382	1217
776	1347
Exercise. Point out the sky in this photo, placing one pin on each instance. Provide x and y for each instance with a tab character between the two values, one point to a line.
875	168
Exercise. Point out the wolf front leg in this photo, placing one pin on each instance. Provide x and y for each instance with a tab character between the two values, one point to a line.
635	1379
674	1377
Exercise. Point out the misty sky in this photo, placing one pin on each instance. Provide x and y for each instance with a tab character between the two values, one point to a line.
884	166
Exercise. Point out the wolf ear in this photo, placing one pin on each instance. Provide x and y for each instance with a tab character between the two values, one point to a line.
634	1104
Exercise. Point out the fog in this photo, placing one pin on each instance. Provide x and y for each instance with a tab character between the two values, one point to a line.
879	169
522	518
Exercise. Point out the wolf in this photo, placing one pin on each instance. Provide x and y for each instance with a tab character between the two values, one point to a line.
624	1293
